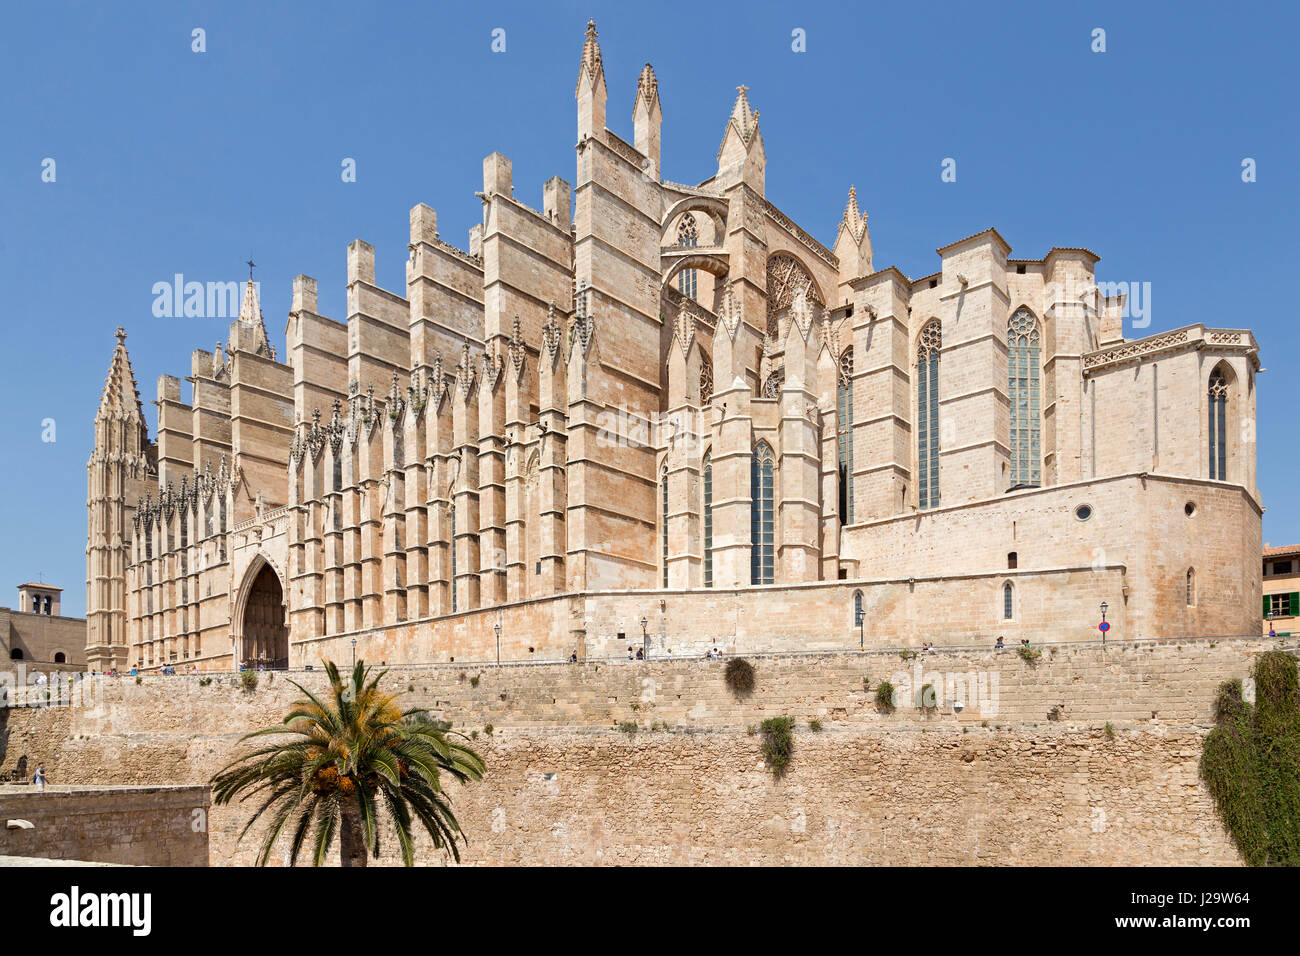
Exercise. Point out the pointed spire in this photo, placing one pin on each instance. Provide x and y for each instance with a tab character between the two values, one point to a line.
551	333
250	315
743	119
647	87
121	397
591	68
250	311
854	219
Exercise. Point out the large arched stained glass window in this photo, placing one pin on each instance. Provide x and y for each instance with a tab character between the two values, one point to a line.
762	533
844	406
1218	426
927	414
1025	394
708	520
688	235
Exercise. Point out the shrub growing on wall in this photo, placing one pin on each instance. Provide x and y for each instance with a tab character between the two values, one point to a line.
1251	763
739	676
778	744
885	697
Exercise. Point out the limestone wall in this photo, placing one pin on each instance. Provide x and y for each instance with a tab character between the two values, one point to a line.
1031	777
137	826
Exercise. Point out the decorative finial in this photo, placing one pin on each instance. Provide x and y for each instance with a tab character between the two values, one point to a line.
591	28
121	335
250	264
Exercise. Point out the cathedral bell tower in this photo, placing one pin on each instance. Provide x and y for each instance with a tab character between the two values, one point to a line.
123	466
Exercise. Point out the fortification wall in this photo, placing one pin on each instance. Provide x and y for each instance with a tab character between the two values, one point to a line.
137	826
1032	778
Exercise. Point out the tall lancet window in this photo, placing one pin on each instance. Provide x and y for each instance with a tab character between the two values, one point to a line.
1218	427
663	519
762	534
708	519
927	414
844	406
687	235
1025	394
453	556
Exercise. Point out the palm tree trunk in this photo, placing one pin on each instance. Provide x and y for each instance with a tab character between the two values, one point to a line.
352	841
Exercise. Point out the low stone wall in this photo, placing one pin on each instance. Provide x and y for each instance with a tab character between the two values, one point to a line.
138	826
1035	778
771	619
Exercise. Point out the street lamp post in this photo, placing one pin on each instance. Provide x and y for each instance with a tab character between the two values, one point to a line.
862	628
645	638
354	652
497	627
1106	628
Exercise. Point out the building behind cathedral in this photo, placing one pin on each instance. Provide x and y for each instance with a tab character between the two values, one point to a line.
665	414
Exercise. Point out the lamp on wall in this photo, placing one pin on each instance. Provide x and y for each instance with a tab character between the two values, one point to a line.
497	627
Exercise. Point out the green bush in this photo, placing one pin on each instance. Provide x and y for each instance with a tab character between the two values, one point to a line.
628	727
929	700
248	680
1251	763
815	726
778	744
1028	654
739	676
205	681
907	655
885	697
473	681
1109	730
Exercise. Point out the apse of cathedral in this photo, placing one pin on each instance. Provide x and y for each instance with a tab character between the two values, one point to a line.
665	414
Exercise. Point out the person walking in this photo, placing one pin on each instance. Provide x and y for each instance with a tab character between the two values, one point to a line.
39	778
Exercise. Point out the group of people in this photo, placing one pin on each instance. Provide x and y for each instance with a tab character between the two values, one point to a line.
1001	644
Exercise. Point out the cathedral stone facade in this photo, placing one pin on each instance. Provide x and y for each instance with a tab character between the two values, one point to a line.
666	414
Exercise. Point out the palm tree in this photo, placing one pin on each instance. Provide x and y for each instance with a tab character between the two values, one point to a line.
344	757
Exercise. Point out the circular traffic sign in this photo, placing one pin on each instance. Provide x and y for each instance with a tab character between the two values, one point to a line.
1103	627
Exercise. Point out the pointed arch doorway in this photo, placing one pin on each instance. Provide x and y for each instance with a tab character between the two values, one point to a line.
263	638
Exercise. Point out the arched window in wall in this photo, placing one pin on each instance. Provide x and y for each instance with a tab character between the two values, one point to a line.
452	509
1191	587
1008	602
663	519
857	609
1218	426
688	235
762	533
927	414
844	406
1025	394
708	519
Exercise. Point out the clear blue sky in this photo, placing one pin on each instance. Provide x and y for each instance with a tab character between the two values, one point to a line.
171	161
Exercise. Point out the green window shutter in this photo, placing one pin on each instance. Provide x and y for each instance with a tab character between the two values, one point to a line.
1293	604
1265	614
